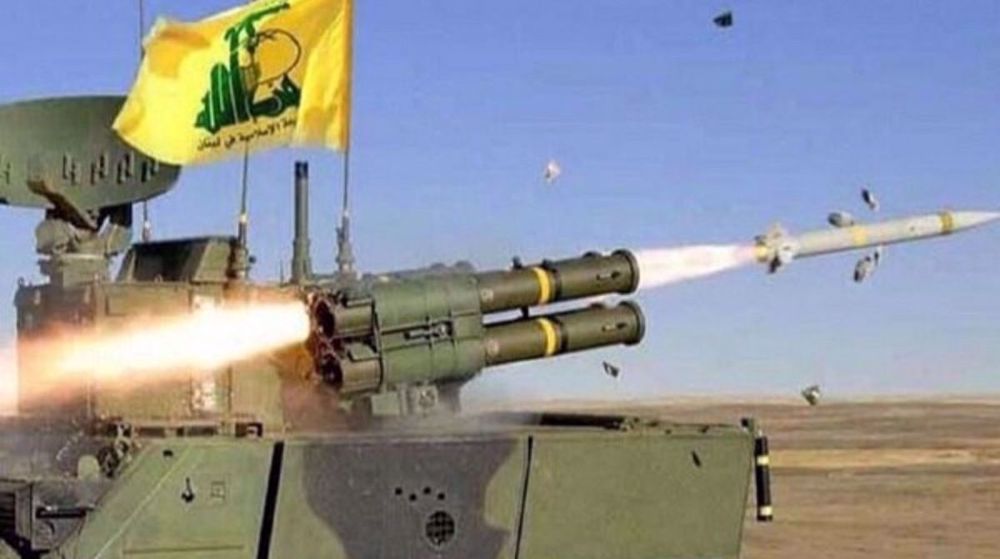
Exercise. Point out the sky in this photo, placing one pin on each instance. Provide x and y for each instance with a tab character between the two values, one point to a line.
669	131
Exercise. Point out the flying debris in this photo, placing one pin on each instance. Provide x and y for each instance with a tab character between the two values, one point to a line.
611	370
777	247
864	268
870	200
841	219
552	171
867	265
812	394
723	20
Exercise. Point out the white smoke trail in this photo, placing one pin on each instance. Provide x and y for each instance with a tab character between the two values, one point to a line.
664	266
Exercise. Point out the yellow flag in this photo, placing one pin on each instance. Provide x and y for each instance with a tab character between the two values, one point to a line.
272	73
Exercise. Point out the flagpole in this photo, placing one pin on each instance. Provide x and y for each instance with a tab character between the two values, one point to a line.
345	252
346	180
147	227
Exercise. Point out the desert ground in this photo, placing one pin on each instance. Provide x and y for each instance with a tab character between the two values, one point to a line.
874	479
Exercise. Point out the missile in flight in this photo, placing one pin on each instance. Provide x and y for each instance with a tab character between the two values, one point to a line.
778	247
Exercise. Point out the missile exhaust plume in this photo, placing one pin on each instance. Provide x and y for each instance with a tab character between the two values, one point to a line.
159	348
664	266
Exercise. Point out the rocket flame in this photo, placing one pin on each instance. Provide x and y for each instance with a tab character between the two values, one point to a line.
664	266
207	339
155	349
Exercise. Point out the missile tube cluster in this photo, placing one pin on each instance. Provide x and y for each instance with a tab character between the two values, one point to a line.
448	327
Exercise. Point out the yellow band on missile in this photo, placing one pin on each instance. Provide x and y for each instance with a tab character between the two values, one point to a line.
947	222
551	339
859	235
762	253
764	460
544	285
765	511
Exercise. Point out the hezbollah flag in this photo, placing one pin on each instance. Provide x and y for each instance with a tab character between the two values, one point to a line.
272	73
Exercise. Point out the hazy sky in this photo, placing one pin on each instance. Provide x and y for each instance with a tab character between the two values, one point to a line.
669	131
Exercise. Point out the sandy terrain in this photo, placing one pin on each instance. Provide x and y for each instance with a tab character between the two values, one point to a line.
884	480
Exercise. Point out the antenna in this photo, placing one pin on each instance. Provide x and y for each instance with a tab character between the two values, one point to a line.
240	263
301	265
147	227
244	219
345	253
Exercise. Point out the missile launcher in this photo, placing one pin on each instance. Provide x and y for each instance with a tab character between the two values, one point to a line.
434	329
347	445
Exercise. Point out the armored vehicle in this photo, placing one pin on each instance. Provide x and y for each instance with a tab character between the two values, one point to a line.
348	443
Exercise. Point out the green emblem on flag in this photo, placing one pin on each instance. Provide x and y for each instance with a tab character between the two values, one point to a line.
259	64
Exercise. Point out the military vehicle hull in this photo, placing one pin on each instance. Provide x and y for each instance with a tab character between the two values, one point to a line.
568	487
